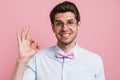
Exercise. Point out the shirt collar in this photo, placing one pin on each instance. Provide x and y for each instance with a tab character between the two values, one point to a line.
74	50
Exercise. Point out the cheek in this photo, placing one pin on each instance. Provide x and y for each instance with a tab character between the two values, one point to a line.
75	30
56	30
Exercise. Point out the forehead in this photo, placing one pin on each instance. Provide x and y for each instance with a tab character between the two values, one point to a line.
64	16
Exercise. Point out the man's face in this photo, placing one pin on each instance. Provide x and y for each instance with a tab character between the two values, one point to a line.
65	27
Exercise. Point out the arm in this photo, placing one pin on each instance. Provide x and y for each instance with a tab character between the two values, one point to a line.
19	70
100	70
27	49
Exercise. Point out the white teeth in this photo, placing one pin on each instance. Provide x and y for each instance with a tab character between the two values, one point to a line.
65	35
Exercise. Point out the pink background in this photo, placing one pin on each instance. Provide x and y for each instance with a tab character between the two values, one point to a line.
100	30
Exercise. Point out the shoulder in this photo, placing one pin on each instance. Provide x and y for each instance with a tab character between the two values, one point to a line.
89	57
88	53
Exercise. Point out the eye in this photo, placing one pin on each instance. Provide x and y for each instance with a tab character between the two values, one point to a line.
70	22
58	24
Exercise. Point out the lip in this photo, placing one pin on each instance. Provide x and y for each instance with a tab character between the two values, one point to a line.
65	35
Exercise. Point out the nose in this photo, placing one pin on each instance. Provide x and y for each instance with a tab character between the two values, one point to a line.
65	27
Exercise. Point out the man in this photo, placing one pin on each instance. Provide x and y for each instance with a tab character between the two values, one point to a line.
64	61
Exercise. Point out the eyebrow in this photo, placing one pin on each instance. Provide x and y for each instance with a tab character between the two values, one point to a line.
67	20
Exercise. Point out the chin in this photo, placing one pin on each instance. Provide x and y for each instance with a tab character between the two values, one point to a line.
65	42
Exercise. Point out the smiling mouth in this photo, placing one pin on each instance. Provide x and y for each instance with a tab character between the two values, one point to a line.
65	35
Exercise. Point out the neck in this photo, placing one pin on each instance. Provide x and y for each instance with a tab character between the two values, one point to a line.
66	47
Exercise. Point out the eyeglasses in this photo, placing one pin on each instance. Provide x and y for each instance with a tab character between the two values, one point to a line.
69	23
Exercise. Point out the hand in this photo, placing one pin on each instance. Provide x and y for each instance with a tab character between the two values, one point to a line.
26	46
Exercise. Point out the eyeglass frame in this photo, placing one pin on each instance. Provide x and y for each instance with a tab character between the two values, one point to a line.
69	23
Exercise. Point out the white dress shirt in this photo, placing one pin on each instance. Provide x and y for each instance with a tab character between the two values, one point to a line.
46	66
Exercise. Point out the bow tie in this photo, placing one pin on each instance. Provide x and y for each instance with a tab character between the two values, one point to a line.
65	55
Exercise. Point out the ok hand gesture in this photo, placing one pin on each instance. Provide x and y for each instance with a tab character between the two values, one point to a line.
26	46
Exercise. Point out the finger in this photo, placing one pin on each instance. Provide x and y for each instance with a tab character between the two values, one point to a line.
37	45
34	44
32	41
28	33
23	34
18	37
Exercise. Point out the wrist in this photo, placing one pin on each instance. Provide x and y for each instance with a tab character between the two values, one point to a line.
21	62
